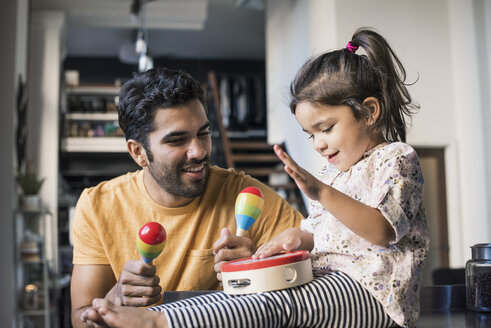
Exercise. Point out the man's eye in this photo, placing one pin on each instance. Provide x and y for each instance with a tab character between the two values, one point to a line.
176	141
311	137
206	133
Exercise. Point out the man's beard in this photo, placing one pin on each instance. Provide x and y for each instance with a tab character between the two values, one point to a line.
169	179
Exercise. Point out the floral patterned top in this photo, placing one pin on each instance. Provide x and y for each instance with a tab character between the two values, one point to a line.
389	178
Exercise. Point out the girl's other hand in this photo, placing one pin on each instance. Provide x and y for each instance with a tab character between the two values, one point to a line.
310	185
289	240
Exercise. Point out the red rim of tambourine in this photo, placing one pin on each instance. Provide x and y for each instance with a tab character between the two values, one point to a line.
275	260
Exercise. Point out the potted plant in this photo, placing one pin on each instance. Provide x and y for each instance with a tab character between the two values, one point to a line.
30	186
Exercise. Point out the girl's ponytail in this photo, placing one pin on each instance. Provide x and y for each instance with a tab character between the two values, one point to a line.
395	99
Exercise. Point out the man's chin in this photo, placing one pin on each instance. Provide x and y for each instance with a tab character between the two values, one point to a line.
193	191
197	186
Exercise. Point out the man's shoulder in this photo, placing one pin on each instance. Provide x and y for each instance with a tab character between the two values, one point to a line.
231	182
125	181
222	173
231	176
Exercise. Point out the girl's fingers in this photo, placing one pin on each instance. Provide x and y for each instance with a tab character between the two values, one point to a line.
288	246
282	155
267	250
295	175
277	149
290	164
285	158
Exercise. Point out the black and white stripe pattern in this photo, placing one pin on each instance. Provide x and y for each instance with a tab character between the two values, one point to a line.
333	300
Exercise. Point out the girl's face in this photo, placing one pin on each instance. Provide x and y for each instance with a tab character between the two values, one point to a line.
335	133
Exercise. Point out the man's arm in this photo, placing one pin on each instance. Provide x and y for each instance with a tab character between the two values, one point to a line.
88	282
137	286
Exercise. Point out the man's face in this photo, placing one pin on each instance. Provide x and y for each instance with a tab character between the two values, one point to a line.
180	145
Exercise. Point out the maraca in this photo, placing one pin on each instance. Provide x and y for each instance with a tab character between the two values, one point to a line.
248	206
151	241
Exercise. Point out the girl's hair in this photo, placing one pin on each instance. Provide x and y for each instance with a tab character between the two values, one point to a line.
342	77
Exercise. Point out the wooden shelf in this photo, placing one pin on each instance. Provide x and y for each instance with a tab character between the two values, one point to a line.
32	312
109	90
93	173
250	145
113	116
32	271
261	171
247	134
260	158
94	145
286	186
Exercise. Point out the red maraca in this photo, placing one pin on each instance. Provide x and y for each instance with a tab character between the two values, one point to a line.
151	241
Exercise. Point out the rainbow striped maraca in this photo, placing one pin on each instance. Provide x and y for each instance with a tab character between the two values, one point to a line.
151	241
248	206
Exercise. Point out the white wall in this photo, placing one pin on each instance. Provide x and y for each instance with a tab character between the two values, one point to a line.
289	42
482	12
436	40
469	110
45	57
13	25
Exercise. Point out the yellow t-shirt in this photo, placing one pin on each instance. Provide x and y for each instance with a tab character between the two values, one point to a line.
108	217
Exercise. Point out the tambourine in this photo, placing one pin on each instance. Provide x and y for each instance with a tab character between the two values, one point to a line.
248	276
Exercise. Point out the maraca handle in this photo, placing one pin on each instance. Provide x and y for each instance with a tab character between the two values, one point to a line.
146	260
241	232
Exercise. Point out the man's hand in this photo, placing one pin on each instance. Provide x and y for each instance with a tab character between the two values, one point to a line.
230	247
137	286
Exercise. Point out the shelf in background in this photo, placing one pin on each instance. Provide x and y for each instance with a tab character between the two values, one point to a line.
256	133
92	116
93	173
34	261
93	90
32	312
94	145
38	211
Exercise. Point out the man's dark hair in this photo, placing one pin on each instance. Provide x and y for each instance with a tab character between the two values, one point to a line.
158	88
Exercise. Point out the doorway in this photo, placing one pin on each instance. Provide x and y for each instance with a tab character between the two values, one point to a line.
432	162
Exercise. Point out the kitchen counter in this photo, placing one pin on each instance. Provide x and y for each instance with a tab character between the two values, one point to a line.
458	318
444	306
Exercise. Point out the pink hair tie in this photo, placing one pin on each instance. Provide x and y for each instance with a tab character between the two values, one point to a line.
351	48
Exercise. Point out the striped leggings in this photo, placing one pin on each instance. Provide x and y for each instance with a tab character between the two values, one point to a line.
333	300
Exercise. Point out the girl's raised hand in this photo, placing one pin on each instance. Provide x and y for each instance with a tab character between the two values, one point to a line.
309	184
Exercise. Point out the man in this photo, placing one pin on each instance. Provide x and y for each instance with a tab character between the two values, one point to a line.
167	131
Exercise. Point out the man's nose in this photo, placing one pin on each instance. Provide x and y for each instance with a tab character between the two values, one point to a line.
196	149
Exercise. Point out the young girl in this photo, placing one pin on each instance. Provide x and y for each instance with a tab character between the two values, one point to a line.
366	231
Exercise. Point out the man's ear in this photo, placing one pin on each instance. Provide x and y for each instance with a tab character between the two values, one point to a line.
137	152
373	105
